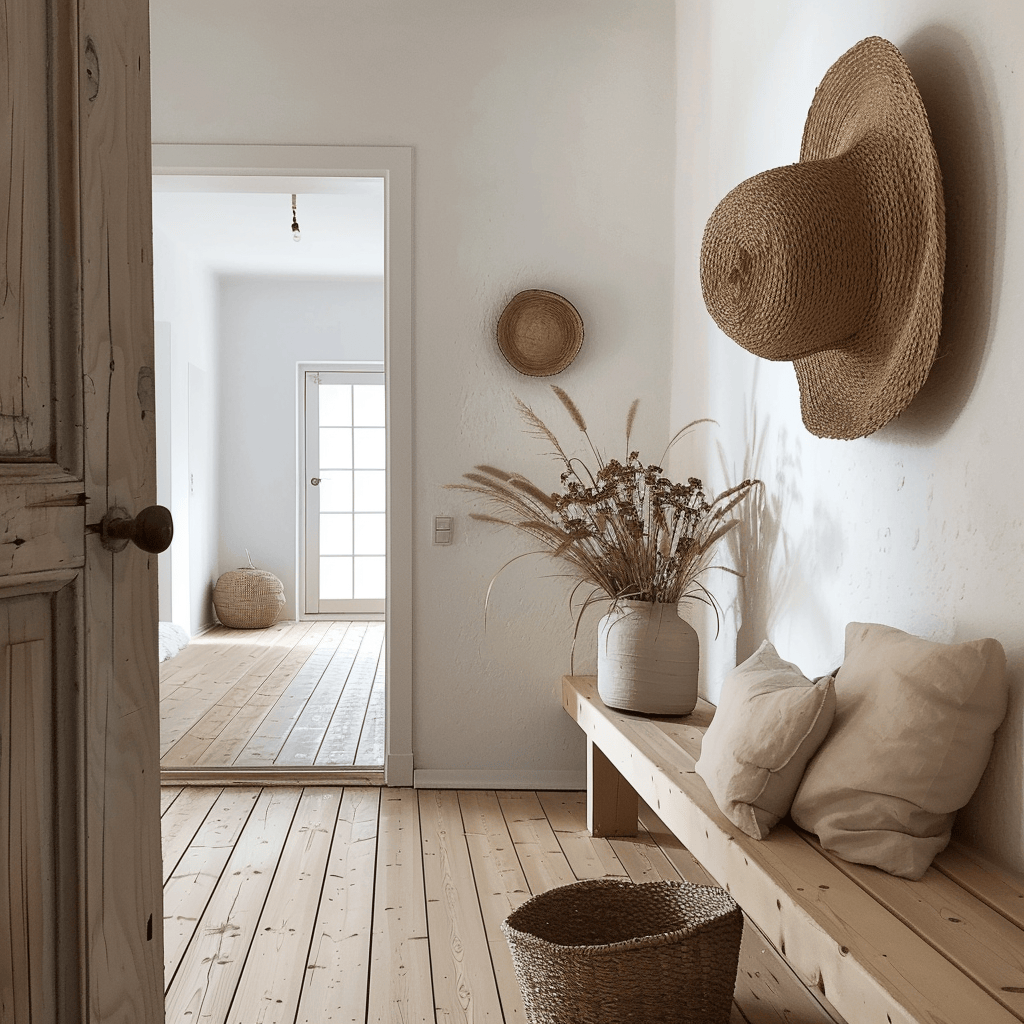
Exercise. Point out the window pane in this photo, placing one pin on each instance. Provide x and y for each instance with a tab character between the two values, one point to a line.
370	490
336	491
369	578
335	534
368	405
335	405
370	534
335	448
335	579
369	448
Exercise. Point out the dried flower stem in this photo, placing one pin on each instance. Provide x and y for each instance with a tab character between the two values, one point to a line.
623	528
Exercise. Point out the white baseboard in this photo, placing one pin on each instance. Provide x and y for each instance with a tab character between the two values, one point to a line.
500	778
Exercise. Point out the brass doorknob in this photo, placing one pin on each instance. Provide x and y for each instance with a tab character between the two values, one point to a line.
315	481
152	529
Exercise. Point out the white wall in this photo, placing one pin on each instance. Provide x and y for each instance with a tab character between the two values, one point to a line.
185	307
267	326
921	524
543	138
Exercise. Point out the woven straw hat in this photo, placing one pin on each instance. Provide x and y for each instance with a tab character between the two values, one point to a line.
836	262
540	333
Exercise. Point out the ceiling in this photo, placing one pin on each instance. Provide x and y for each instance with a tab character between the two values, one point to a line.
242	224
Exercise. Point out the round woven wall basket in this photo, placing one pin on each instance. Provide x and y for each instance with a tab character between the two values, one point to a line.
248	598
540	333
606	951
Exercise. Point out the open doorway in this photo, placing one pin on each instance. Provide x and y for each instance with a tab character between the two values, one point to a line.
320	300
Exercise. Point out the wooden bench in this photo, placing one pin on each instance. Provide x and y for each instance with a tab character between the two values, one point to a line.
948	949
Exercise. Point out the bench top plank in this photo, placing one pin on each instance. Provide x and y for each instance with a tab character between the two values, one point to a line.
981	942
992	885
879	970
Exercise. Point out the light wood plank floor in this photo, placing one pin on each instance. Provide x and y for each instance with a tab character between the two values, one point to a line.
298	694
291	906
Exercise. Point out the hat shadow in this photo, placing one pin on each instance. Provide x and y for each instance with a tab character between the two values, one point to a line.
968	137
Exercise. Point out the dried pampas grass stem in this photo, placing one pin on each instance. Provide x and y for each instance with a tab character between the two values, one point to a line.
623	528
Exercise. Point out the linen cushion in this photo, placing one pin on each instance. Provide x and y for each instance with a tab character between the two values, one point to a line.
912	734
770	719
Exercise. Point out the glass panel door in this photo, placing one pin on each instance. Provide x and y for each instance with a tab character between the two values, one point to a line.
346	491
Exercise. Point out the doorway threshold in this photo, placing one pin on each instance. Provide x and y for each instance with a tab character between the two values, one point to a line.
272	776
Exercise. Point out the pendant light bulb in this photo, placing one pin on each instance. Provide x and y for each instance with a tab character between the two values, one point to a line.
296	234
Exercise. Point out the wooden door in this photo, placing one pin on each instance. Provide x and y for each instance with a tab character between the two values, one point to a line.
80	899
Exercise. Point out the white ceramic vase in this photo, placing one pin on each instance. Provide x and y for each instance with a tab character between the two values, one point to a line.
647	659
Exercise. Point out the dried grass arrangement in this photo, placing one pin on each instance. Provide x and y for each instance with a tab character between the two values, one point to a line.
623	528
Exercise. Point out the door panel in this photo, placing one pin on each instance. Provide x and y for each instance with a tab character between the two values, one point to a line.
80	903
345	491
27	962
25	372
38	982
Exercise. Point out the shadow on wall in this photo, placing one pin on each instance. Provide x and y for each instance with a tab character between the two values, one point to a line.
998	803
779	573
969	142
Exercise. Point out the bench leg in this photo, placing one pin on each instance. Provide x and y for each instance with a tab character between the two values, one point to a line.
612	804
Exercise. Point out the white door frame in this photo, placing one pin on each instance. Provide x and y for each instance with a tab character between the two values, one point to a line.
394	165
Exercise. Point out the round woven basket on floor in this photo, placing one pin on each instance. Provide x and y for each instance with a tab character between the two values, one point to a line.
607	951
248	598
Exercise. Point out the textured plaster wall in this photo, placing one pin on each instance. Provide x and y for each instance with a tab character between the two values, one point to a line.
920	525
543	138
266	327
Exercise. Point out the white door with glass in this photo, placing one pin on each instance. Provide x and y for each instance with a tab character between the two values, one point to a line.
346	490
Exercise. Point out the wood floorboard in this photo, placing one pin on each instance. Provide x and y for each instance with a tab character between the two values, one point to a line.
341	737
181	822
298	694
203	985
227	746
464	984
399	987
371	739
541	856
337	976
263	747
228	699
168	794
270	985
357	904
307	734
215	676
501	887
191	883
588	857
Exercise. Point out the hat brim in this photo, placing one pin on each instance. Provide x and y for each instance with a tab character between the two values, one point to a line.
868	107
540	333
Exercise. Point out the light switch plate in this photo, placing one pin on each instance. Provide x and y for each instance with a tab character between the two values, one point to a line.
443	529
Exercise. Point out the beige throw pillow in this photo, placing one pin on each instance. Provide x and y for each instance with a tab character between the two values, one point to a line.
769	721
912	735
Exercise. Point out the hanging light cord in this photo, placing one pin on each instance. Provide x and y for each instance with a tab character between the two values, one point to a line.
295	222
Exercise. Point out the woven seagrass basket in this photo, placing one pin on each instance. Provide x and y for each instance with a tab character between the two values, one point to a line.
248	598
540	333
607	951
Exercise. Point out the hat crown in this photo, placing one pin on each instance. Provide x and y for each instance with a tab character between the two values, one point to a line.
785	261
